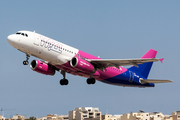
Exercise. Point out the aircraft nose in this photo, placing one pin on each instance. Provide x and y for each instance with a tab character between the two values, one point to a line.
10	38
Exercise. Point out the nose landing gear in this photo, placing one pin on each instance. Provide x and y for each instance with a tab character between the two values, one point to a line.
26	61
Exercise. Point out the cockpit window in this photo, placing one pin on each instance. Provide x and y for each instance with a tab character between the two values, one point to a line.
23	34
18	33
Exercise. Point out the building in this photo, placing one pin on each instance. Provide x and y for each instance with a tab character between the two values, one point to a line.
141	115
54	117
176	115
85	113
18	117
156	116
130	116
2	118
90	113
110	117
106	117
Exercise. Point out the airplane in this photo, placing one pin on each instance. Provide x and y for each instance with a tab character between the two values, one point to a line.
57	56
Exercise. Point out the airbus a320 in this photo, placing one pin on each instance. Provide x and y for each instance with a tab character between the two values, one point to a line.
56	56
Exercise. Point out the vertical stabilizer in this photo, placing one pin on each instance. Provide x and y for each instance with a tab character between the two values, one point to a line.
144	69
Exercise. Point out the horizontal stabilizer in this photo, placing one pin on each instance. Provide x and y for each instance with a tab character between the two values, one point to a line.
143	81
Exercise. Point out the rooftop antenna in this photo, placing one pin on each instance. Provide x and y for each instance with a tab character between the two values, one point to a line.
2	111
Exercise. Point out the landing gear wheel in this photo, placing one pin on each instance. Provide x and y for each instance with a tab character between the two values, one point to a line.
88	81
63	82
66	82
91	81
25	62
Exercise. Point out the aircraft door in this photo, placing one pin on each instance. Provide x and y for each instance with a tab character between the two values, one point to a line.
36	39
131	76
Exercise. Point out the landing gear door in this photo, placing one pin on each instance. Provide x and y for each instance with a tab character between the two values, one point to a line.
36	39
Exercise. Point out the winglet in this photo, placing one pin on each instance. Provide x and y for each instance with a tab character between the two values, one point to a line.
161	60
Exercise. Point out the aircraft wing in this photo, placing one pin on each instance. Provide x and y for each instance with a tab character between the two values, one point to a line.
104	63
143	81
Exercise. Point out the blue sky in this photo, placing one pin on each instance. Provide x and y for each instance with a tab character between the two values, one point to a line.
109	29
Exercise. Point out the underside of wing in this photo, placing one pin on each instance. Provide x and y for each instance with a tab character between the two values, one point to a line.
143	81
104	63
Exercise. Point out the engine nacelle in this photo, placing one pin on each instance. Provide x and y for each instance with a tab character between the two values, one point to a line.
41	67
82	65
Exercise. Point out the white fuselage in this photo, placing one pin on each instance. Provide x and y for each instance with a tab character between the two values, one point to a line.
42	47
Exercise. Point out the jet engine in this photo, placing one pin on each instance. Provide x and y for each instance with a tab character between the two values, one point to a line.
82	65
41	67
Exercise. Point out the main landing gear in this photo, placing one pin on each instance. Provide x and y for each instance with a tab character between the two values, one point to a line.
26	61
91	80
63	81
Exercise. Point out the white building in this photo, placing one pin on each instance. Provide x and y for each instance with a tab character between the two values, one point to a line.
54	117
2	118
143	116
110	117
85	113
156	116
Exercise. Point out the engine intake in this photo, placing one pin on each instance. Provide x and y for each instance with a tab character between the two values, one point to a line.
82	65
41	67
